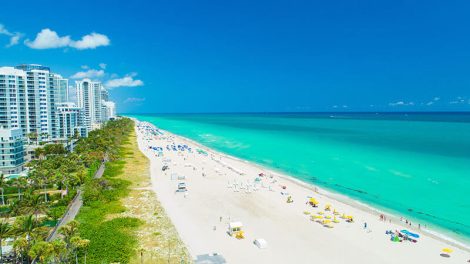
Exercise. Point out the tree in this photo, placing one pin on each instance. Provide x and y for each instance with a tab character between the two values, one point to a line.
55	149
59	251
35	205
21	247
69	231
5	232
19	183
39	153
25	226
2	185
79	244
33	136
42	251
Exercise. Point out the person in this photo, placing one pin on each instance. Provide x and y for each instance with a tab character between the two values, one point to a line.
365	225
220	219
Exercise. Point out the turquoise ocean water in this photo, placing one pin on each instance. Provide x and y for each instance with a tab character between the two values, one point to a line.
413	165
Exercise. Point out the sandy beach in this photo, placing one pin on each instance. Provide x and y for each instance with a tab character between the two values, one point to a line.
222	189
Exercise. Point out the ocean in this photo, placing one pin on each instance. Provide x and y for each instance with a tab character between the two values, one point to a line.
415	165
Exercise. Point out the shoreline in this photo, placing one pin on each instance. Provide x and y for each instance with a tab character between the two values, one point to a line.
337	196
369	213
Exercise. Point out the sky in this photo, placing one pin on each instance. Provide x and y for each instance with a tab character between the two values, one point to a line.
251	56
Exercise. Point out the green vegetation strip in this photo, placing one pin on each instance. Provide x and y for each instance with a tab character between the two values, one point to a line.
112	238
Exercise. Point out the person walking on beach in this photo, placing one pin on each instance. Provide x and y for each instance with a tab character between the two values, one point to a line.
365	225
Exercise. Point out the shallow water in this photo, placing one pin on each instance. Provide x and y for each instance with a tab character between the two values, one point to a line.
416	165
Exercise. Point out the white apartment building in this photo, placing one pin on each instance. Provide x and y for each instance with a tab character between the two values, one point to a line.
109	110
89	100
11	151
62	85
71	121
42	92
12	98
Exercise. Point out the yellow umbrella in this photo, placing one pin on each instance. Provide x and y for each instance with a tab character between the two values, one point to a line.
447	250
313	201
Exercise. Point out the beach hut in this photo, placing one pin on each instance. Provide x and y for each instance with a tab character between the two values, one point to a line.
234	227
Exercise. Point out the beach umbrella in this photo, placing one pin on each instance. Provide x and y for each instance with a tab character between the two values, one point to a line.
313	201
447	250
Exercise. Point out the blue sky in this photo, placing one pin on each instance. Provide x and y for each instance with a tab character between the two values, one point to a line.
250	56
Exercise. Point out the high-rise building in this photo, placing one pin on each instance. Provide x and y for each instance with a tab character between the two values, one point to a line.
104	94
12	98
89	99
71	122
109	110
35	103
41	97
11	151
62	85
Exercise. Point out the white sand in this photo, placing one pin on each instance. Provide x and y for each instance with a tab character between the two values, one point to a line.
292	237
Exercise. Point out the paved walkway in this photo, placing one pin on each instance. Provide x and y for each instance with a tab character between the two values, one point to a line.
74	206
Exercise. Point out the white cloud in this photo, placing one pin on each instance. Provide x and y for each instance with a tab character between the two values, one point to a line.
14	37
401	103
134	100
437	98
127	81
103	66
49	39
459	100
91	73
91	41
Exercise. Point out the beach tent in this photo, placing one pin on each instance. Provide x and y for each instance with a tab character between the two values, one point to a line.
408	233
261	243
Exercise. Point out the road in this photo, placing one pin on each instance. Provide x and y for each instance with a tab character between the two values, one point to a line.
74	206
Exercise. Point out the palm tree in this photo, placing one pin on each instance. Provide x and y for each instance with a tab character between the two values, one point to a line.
25	226
20	183
79	244
2	184
59	251
5	232
69	231
21	247
42	251
35	205
31	136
